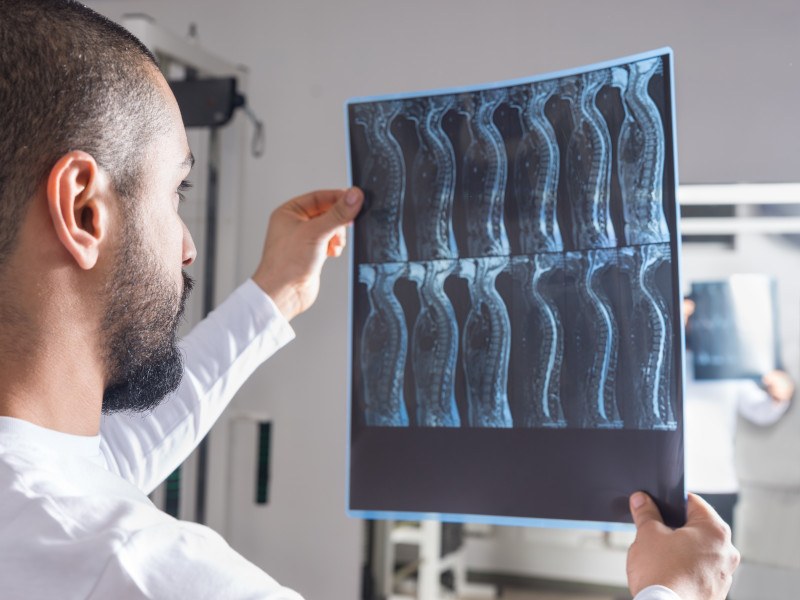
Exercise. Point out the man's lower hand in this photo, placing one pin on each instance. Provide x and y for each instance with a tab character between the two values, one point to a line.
696	561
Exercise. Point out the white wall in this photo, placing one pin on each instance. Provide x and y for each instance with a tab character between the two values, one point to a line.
738	90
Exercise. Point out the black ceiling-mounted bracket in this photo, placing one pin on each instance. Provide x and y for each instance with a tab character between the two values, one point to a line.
207	102
211	102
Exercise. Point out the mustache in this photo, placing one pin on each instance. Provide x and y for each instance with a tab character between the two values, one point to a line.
188	286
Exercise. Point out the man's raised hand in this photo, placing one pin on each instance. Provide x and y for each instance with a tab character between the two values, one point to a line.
301	234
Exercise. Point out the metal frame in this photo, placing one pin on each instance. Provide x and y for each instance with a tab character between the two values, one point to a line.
740	195
429	567
185	51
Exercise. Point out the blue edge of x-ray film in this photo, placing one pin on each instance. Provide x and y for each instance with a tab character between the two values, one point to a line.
496	519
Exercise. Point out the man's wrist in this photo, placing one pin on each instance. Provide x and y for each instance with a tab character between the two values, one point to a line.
285	297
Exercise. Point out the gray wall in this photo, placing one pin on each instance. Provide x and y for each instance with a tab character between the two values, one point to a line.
738	90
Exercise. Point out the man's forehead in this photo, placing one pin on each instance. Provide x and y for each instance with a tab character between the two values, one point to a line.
176	132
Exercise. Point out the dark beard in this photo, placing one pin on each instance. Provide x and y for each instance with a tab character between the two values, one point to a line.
141	331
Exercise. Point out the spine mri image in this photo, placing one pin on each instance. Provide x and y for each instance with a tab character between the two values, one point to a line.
513	261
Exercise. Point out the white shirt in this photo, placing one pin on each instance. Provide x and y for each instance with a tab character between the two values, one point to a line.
75	520
656	592
710	424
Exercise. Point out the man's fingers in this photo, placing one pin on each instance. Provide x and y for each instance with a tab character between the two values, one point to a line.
337	242
320	202
314	204
644	510
698	509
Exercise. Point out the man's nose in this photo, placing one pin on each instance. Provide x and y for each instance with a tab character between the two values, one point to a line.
189	251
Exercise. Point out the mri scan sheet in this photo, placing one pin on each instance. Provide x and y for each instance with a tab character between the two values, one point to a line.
516	340
734	332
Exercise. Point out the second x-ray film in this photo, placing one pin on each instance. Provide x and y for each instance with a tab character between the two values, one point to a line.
733	333
516	350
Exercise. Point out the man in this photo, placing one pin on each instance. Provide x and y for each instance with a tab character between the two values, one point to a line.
711	410
92	158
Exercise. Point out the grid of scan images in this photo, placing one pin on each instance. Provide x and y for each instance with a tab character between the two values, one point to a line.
513	261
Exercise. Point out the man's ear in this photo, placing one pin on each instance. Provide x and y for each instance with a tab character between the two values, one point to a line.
78	194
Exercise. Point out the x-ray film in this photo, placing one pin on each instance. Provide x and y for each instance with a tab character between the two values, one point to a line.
516	339
733	333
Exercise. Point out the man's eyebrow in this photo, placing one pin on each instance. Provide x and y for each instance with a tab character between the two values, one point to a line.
188	161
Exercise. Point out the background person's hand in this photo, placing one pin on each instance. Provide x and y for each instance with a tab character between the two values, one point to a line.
696	561
301	234
778	385
689	307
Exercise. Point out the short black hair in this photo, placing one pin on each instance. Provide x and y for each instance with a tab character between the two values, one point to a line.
70	79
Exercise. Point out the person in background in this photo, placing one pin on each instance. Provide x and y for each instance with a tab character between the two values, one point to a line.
96	406
711	409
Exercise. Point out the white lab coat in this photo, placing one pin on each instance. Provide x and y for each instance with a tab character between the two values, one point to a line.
75	520
710	424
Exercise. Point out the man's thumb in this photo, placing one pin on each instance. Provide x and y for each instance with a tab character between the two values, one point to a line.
343	211
643	509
